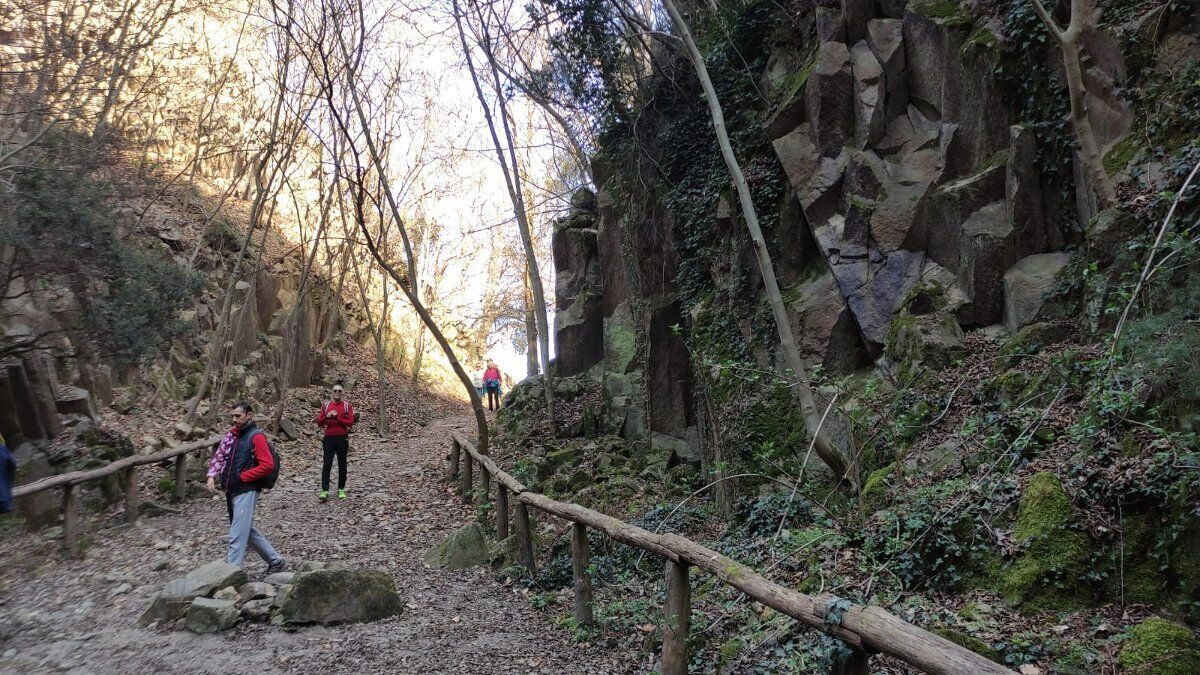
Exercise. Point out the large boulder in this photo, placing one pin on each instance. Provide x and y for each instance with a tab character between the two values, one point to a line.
985	251
925	332
824	327
1026	287
885	37
208	615
462	548
1024	196
333	596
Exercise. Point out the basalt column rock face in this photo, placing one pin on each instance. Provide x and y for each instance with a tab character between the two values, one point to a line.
908	167
579	318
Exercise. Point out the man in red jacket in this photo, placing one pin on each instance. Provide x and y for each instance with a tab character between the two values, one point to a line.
336	417
250	460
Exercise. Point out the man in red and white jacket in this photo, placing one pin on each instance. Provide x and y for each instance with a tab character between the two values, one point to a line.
336	417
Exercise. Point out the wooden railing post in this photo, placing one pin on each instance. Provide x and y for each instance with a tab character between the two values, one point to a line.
468	481
455	453
485	485
856	664
677	618
583	580
180	476
131	495
525	539
501	511
70	508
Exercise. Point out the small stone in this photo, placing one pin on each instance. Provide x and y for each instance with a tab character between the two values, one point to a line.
161	545
256	590
280	578
227	593
120	590
160	565
257	610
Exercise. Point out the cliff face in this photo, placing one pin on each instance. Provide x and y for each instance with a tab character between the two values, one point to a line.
907	198
55	394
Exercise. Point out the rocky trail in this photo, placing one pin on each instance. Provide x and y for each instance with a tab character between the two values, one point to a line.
81	615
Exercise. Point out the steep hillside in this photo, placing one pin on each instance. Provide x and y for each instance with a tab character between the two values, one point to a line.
1029	480
115	287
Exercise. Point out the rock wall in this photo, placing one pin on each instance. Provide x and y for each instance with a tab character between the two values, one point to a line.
59	389
906	175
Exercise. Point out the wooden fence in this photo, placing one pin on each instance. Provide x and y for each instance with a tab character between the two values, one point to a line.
70	483
866	629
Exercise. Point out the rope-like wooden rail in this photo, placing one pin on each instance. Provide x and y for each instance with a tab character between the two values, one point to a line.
70	483
865	629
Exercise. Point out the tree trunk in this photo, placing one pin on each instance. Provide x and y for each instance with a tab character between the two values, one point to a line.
531	331
407	282
512	180
802	389
1069	41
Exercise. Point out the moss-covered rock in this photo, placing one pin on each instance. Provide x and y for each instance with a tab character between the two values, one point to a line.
465	547
1160	647
969	642
875	490
1033	337
1046	575
730	650
333	596
563	458
929	340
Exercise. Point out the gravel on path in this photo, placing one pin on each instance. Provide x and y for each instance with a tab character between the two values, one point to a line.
81	615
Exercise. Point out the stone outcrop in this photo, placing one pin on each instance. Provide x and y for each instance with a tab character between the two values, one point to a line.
578	319
1026	287
463	548
332	596
905	171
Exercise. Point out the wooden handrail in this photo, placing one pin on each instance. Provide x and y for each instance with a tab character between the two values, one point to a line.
70	484
74	477
863	627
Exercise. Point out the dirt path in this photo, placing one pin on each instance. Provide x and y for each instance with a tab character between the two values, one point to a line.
80	616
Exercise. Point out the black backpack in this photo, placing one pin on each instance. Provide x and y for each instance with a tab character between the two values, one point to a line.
267	482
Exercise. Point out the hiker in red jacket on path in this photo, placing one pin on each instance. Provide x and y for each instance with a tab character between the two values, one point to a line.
336	417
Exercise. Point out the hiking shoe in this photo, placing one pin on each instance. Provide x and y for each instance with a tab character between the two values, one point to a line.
323	495
277	567
341	494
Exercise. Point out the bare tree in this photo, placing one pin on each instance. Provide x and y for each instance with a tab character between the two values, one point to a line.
1083	18
512	180
802	385
336	71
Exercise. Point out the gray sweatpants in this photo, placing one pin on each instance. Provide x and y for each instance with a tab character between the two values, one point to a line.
242	532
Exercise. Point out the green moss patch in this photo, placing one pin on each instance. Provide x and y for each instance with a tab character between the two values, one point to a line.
874	492
1119	155
1046	576
1161	647
968	642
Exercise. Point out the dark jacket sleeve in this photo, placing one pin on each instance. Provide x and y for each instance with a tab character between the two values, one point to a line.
265	462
